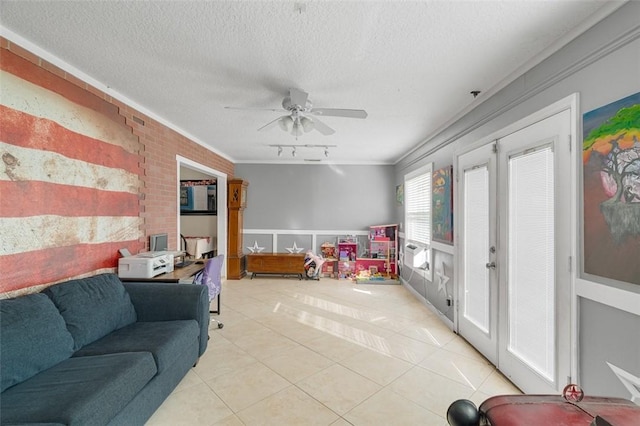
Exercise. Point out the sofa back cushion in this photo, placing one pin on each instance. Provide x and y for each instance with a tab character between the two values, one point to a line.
92	307
34	338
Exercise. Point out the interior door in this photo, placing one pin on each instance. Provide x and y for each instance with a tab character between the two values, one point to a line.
478	285
514	252
534	165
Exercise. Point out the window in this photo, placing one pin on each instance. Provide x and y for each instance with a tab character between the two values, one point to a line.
417	189
417	216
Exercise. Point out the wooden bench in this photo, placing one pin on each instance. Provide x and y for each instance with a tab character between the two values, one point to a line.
276	263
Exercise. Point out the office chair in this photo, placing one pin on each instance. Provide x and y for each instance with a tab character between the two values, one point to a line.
211	276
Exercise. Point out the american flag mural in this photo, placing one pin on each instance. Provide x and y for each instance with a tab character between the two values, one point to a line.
69	180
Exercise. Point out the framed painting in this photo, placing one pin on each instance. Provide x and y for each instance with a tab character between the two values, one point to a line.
611	190
442	205
400	194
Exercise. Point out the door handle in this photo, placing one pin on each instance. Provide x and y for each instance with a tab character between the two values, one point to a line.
491	265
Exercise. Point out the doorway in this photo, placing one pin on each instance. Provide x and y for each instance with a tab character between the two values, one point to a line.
211	223
515	248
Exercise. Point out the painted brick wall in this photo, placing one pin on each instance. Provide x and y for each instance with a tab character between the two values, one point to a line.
156	148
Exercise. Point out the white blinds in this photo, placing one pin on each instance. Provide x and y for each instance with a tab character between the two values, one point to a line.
417	190
531	270
476	244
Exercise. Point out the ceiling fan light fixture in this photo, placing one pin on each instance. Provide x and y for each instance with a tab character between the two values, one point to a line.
307	124
297	129
286	123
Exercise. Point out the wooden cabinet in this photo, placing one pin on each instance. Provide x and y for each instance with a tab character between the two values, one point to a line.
276	263
237	202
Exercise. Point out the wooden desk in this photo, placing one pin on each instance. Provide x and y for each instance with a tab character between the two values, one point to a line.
171	277
276	263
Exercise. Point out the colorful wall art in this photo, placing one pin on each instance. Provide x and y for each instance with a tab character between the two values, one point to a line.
611	189
442	205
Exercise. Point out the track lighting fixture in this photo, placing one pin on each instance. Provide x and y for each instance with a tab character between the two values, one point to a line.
294	148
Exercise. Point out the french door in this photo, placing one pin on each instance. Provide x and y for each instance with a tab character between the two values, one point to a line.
514	252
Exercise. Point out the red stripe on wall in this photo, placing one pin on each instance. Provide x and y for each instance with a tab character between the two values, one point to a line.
34	198
26	70
25	130
55	264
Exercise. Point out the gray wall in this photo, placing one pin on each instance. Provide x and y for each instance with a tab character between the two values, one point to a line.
603	65
317	197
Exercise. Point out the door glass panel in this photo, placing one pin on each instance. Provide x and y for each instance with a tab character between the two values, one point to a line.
531	260
476	247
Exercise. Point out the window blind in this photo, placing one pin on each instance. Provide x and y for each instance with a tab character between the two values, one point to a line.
418	207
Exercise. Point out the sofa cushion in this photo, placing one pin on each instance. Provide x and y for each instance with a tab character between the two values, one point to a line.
166	340
92	307
34	338
79	391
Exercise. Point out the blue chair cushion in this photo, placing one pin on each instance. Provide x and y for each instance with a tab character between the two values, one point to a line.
166	340
79	391
33	338
92	307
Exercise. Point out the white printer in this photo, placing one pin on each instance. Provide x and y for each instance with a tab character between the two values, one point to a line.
145	265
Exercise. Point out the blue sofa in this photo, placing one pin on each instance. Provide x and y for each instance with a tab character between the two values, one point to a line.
95	351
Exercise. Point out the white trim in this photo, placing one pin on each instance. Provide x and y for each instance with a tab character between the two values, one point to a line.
304	232
610	296
576	151
444	248
607	9
40	52
221	202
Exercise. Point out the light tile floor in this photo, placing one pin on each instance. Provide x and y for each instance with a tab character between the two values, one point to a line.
328	352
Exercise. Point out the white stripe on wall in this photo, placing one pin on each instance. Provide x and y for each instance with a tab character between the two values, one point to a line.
29	98
47	166
24	234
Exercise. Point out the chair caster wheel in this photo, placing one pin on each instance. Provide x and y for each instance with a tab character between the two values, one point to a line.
220	325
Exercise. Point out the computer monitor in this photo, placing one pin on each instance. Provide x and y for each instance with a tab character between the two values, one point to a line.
158	242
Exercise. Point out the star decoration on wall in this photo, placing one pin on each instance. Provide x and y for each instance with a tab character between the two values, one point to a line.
442	279
631	382
255	248
294	249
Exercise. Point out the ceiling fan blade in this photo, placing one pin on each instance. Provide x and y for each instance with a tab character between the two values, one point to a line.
335	112
322	128
298	97
254	109
270	124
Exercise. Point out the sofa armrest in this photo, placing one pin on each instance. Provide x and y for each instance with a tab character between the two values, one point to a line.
168	302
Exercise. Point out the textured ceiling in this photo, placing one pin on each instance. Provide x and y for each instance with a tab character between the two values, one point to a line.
410	65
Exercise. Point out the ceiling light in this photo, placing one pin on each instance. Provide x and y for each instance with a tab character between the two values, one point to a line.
307	124
297	129
286	123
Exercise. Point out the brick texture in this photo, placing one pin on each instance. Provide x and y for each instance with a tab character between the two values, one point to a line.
159	146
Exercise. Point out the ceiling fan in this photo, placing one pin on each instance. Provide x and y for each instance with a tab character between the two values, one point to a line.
300	109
